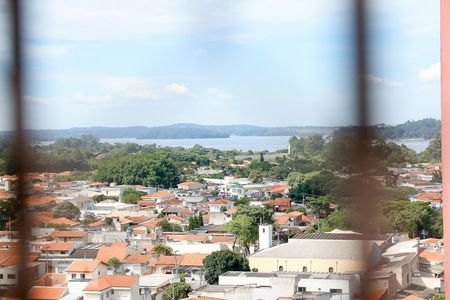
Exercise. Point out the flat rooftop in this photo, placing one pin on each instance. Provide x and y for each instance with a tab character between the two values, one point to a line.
301	275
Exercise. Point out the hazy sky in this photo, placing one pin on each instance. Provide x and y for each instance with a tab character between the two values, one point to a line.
262	62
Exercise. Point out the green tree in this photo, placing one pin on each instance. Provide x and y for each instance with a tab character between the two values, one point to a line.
242	201
223	261
440	296
319	184
437	176
114	262
412	217
245	229
340	219
437	226
196	222
67	210
276	195
145	168
176	291
162	249
89	218
167	226
433	153
7	211
319	205
99	198
258	214
132	196
191	225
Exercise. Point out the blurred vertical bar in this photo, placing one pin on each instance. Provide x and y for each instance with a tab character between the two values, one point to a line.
20	143
445	111
364	205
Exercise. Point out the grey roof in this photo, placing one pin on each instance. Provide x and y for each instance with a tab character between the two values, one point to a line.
84	253
338	236
317	249
81	199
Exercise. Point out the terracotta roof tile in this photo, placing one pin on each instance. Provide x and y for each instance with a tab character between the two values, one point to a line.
61	246
84	266
138	258
106	253
105	282
46	293
68	234
431	256
220	202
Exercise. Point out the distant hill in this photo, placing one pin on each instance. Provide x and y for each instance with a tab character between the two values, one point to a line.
175	131
425	128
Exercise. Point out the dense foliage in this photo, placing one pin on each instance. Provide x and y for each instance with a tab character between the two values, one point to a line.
162	249
223	261
177	290
7	211
67	210
424	129
169	227
132	196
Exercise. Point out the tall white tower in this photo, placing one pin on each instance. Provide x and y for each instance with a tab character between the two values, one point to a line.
265	236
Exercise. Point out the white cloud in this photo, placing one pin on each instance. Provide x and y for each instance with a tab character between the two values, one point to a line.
430	74
178	89
384	81
220	93
89	100
45	51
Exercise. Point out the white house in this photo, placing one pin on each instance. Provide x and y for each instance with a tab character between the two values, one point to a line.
220	205
114	287
87	270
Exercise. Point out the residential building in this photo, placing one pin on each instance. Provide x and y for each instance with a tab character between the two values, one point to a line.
82	270
279	204
330	253
153	285
220	205
113	287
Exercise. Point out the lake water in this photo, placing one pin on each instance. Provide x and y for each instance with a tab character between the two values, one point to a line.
245	143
